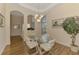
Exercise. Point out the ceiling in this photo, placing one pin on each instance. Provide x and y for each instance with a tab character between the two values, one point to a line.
41	7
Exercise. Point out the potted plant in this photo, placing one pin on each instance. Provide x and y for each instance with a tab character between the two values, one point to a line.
72	28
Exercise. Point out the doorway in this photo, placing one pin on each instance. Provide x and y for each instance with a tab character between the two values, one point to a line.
16	25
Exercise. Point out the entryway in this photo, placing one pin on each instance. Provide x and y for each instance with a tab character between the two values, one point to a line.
16	25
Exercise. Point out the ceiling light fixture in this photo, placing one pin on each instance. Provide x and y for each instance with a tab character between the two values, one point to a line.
38	16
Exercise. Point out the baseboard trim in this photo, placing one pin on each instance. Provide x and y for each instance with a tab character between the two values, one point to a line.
63	44
1	52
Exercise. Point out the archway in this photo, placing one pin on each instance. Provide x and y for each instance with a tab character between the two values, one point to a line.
16	25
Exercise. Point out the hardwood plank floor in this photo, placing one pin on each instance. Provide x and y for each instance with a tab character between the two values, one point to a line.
18	47
59	49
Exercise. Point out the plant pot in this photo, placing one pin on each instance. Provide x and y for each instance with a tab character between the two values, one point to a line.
74	48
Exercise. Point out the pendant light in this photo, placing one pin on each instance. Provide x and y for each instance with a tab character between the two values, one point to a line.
38	16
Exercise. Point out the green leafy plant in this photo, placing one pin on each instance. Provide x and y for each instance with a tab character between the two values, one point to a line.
72	28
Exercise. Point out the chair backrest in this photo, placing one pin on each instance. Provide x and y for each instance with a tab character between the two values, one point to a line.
30	33
44	38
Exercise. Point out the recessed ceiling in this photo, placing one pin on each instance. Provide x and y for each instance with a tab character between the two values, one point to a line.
41	7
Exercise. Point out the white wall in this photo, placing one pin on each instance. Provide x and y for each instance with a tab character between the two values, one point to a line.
58	12
2	40
2	31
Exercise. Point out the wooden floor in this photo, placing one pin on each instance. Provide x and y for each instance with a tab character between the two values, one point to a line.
18	47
